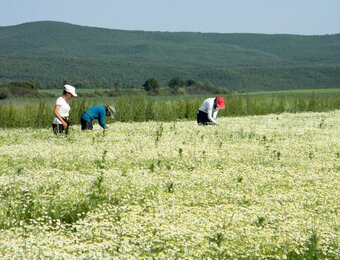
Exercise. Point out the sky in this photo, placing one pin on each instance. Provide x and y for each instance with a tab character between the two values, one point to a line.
305	17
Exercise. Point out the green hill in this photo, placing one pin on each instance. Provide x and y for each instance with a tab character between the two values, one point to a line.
52	51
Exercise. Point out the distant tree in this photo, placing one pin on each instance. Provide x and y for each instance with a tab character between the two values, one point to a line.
19	88
190	82
151	86
4	93
79	84
30	84
174	84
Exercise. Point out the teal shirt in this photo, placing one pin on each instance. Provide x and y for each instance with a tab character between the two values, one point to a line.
95	112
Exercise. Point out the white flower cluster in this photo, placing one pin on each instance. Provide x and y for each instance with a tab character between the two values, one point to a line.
252	187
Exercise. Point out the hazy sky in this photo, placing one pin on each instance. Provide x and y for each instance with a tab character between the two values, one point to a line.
307	17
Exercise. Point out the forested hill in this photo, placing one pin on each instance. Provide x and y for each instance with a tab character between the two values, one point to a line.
51	51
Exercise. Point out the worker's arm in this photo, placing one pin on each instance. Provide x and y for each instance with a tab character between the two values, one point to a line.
101	119
212	117
57	115
215	114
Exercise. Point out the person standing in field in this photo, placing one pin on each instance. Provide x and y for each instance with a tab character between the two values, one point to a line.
96	112
207	113
62	108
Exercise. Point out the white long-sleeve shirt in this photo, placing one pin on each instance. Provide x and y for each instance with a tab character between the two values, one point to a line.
208	107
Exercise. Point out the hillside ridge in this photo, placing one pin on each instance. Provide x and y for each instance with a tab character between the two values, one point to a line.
138	55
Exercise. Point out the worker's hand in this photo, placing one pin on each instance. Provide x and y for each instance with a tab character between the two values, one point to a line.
64	125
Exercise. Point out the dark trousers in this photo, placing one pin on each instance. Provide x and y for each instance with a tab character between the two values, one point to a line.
59	128
202	118
86	125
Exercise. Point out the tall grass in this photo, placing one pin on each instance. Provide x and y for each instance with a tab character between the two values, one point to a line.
39	112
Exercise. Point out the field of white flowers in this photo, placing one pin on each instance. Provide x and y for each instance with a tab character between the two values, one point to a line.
252	187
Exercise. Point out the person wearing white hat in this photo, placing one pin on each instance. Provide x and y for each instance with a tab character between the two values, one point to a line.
62	108
96	112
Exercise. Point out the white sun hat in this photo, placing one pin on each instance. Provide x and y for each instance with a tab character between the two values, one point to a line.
70	89
112	111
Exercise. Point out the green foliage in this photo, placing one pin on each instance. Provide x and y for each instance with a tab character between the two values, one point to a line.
152	86
190	82
159	132
217	238
312	245
19	89
175	84
4	93
38	113
170	187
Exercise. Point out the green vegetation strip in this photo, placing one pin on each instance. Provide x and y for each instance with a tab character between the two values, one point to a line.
38	113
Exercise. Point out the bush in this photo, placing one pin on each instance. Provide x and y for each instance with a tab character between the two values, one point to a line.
4	93
21	88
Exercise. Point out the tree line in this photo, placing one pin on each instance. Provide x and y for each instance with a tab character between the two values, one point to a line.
152	87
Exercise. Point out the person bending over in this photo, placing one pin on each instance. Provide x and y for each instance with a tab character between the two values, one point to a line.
207	113
96	112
